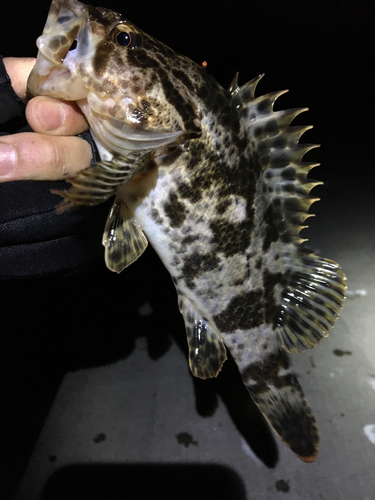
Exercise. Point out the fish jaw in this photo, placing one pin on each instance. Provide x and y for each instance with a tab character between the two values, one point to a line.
55	71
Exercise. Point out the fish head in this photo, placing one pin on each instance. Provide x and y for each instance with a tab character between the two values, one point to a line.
121	77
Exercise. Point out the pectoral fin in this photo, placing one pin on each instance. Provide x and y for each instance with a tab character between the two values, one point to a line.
98	183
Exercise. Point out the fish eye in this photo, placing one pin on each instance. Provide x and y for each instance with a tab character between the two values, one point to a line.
124	37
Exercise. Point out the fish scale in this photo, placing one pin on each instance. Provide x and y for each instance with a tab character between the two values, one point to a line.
215	181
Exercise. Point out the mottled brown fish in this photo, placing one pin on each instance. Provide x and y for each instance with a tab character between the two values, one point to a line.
215	181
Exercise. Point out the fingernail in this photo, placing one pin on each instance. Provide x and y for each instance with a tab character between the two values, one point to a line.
51	114
7	159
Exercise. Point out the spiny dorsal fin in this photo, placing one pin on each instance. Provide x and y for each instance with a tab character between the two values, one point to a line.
279	154
207	351
247	91
233	87
313	288
123	239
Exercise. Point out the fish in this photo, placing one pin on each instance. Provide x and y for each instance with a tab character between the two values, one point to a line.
214	179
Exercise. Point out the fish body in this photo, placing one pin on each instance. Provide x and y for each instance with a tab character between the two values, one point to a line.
215	181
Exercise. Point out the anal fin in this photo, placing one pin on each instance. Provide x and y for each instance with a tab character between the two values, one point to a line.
123	239
207	351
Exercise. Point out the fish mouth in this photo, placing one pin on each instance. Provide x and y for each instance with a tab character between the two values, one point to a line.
57	74
43	76
52	77
54	80
54	73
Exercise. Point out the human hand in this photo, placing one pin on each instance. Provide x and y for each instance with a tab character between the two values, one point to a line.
53	152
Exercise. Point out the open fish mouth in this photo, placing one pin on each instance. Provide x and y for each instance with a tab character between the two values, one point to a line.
49	78
45	73
58	74
65	39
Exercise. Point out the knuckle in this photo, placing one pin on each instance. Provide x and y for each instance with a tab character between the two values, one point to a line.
44	157
52	154
48	157
75	121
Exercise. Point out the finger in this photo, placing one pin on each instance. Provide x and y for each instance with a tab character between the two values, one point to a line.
18	69
50	116
29	156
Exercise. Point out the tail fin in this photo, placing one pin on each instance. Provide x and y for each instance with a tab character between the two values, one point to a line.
275	389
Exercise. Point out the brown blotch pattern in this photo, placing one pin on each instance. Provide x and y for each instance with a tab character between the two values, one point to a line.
243	312
175	211
196	264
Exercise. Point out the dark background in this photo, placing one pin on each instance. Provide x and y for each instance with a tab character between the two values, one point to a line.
322	51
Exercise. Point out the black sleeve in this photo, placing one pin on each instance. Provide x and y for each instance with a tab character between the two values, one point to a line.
34	239
11	106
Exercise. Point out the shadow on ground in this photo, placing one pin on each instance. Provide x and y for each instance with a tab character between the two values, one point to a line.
140	481
57	324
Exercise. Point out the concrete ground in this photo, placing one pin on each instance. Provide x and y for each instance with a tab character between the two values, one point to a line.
129	421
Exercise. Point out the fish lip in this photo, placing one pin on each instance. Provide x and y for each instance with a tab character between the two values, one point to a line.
44	82
64	71
44	71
